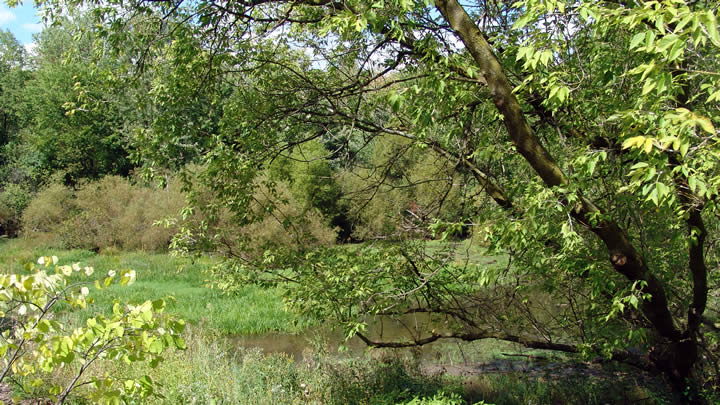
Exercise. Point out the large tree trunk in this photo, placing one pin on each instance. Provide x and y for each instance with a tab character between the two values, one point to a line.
677	352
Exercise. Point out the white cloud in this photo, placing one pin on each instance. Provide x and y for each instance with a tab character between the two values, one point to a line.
6	16
33	27
30	47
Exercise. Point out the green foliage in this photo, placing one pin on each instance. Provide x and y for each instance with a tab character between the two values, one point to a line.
12	79
35	344
50	207
313	183
414	187
13	201
603	194
210	371
274	217
437	399
74	120
108	213
213	370
250	310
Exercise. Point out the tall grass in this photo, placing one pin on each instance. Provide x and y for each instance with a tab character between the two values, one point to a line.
211	371
249	310
215	370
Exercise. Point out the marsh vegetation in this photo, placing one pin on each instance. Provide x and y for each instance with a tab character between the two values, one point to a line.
436	186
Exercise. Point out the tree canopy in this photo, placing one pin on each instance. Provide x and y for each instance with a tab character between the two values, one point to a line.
578	138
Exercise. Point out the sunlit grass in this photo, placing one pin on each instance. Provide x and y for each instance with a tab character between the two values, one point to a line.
250	310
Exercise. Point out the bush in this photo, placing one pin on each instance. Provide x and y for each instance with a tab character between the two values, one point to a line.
290	224
108	214
35	346
50	207
13	200
401	190
113	213
277	219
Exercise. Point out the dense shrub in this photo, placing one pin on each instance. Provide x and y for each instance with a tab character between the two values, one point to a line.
13	200
114	213
312	183
52	205
110	213
399	189
279	220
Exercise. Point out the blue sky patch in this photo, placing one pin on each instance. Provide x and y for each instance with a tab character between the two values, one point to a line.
22	21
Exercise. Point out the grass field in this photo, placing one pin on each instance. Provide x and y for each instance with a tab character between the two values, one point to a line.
251	310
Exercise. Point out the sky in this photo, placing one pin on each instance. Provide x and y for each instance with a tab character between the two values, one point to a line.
22	21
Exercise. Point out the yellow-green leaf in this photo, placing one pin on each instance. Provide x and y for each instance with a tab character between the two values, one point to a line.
648	145
706	125
633	142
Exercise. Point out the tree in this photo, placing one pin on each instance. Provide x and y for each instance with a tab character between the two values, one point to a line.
590	125
64	132
12	62
13	78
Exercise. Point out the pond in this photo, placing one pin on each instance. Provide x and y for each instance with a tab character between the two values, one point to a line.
301	347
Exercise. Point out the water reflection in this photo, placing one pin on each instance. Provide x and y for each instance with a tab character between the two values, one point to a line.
331	339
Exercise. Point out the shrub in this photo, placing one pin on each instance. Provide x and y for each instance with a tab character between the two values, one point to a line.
290	223
278	220
50	207
35	344
116	213
13	201
402	190
113	213
110	213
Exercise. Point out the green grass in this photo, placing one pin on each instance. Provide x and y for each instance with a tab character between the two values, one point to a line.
251	310
214	370
210	371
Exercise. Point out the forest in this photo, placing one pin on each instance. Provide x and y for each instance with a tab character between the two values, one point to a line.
530	184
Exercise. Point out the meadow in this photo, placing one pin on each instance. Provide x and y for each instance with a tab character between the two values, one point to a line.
215	368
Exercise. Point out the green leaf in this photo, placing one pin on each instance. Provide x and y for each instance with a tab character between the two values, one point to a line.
666	42
637	39
633	142
649	85
648	145
684	149
522	21
180	343
158	305
653	196
28	283
705	124
44	326
710	23
660	23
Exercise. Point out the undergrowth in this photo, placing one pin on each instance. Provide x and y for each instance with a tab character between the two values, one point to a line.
211	371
